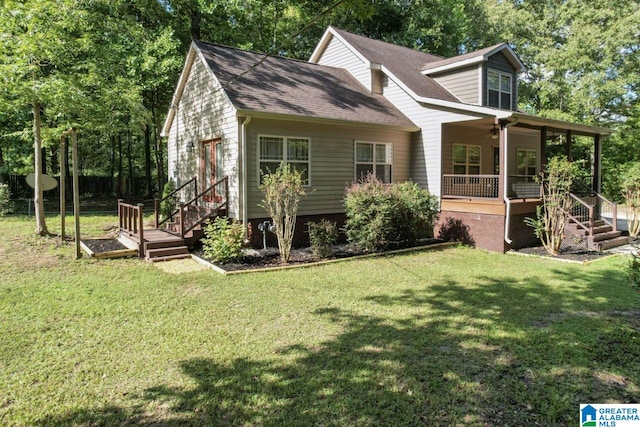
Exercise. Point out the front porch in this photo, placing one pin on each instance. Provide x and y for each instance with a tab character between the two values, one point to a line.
488	181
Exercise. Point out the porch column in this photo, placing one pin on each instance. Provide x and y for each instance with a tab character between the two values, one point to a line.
543	149
502	162
567	147
597	164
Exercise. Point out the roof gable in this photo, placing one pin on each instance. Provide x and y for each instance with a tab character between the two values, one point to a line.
471	58
299	88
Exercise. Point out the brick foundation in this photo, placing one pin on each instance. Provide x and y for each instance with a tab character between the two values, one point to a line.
301	233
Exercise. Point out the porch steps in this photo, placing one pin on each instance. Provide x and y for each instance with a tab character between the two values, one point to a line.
603	237
164	250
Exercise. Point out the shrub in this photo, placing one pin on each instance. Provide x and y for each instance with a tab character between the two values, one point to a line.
379	214
169	205
223	240
633	269
6	206
552	215
323	236
283	190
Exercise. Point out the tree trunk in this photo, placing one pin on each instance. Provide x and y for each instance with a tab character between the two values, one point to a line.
119	191
3	178
68	191
147	161
159	154
131	191
112	163
41	225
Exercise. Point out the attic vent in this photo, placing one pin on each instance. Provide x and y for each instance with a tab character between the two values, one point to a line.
376	78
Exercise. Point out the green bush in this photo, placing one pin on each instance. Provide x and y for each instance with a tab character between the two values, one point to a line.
223	240
323	236
6	206
169	205
379	214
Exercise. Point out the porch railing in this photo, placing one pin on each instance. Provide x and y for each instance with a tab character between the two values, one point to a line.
523	187
474	186
588	208
131	221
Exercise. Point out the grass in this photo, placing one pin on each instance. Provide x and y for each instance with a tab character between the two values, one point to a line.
450	337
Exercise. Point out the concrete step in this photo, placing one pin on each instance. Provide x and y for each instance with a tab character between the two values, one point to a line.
612	243
166	252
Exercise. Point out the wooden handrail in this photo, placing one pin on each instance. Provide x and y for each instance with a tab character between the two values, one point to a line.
194	201
158	203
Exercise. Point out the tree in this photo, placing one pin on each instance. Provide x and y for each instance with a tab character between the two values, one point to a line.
552	215
283	190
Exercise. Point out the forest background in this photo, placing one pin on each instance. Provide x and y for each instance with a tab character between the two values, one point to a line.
109	67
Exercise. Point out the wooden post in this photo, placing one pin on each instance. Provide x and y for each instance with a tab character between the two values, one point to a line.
156	212
76	191
502	162
596	163
120	215
63	184
567	147
182	219
141	230
543	149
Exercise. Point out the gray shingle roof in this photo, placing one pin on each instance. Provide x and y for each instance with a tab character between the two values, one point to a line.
403	62
291	87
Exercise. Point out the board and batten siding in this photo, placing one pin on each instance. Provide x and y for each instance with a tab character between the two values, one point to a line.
332	161
464	83
336	54
426	147
499	62
204	113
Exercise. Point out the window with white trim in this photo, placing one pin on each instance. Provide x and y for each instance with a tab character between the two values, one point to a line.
499	89
374	158
526	162
466	159
275	150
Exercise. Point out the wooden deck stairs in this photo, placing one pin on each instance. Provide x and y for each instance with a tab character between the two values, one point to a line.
172	237
593	223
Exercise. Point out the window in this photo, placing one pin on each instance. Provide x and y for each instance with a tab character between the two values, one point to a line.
466	159
526	162
275	150
499	89
375	159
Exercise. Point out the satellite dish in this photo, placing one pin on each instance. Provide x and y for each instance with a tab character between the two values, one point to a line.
48	182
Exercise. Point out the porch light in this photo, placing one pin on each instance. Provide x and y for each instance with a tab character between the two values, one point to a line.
494	132
190	146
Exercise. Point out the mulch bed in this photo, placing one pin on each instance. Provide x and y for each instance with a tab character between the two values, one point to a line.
270	257
103	245
575	255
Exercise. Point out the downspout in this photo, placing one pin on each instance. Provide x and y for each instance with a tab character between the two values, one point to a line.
505	189
243	175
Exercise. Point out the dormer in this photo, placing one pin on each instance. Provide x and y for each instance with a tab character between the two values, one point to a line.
487	77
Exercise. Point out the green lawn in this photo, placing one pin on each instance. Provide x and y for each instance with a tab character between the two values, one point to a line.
448	337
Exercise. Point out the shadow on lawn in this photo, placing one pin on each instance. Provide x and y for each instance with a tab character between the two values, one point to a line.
459	355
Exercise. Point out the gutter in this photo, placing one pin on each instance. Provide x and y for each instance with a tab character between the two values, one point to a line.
243	174
505	188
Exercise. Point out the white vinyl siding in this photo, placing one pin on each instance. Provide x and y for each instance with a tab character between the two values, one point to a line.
203	114
338	55
426	155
